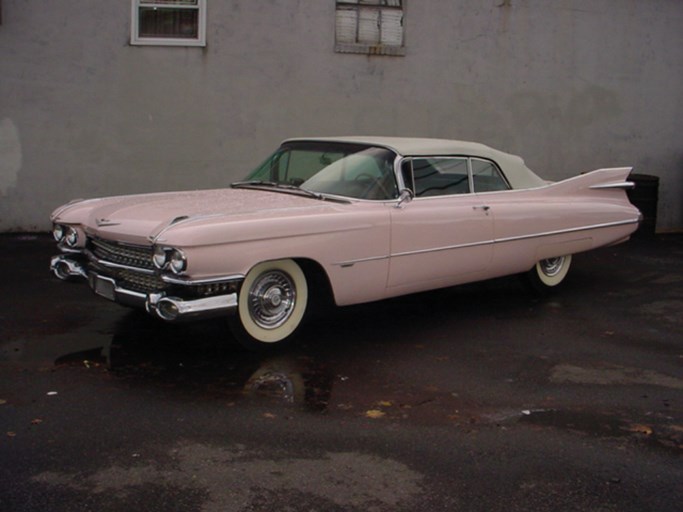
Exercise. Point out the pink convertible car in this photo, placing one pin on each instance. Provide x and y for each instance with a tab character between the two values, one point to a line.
351	219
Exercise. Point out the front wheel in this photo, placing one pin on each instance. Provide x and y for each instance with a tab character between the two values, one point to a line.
549	273
272	304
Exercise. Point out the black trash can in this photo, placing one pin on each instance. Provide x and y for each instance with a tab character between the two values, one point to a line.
645	197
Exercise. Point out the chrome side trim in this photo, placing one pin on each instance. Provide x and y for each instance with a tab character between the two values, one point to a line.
570	230
447	248
626	185
350	263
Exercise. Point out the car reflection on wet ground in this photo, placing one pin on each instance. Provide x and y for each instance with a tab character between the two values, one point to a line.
479	397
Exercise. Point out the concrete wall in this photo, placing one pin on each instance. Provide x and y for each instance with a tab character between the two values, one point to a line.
571	85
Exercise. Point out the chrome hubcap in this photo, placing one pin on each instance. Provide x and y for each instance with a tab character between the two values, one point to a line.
272	299
552	266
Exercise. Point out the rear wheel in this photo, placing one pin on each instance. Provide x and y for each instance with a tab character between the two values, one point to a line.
272	304
549	273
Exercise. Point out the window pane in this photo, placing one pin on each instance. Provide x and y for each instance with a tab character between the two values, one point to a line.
304	164
169	22
347	20
368	26
440	176
392	27
486	177
365	174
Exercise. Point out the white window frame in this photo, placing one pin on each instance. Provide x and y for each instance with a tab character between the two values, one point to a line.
362	47
135	38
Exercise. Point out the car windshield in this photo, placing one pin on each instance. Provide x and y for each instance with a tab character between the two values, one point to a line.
347	170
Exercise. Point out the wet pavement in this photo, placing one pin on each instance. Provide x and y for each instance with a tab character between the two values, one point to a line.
475	398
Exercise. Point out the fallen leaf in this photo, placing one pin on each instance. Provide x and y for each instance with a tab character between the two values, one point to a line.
375	414
269	415
11	434
36	421
2	402
384	403
639	429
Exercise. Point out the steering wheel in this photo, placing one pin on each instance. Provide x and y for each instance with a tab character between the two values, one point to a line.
375	184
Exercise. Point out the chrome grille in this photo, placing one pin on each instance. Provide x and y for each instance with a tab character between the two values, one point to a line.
128	255
138	282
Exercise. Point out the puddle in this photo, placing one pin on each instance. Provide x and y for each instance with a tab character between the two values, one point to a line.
279	380
602	426
610	375
657	431
194	360
200	361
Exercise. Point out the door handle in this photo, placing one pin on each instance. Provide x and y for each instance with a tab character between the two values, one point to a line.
484	207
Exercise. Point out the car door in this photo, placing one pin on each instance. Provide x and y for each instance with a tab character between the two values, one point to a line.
444	236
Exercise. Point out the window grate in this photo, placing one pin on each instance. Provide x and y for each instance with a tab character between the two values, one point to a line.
370	27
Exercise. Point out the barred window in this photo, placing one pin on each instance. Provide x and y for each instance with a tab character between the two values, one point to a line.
370	26
168	22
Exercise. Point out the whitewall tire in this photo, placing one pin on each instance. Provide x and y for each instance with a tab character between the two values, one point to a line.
549	273
272	304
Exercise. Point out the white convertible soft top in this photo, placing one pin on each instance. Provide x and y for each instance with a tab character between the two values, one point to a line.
518	174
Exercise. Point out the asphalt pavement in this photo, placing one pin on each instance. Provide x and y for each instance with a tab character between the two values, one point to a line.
475	398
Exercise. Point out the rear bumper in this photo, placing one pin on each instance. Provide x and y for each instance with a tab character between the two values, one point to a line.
162	305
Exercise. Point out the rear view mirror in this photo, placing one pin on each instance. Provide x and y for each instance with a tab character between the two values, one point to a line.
404	197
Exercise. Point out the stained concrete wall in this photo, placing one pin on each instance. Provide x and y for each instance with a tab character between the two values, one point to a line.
571	85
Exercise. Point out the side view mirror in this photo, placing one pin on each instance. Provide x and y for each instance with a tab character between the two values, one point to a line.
404	197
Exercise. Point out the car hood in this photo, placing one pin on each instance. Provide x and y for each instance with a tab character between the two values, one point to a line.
142	218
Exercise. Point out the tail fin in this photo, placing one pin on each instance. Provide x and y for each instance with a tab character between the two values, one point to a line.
600	179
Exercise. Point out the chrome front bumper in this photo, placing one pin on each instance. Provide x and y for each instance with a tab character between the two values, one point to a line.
166	307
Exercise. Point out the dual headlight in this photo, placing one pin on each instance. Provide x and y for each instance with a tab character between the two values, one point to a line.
169	258
66	234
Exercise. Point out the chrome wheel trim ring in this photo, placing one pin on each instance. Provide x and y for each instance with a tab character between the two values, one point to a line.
272	299
552	266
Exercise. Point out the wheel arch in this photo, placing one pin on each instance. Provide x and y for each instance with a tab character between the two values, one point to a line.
320	286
